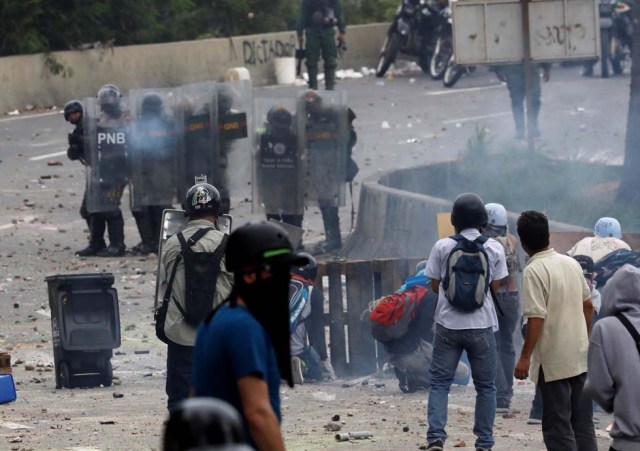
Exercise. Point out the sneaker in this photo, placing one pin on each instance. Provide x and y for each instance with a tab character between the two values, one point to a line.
483	449
296	370
503	409
438	445
534	421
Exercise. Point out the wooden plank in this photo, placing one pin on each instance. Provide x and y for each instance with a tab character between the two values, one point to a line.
337	339
392	274
362	350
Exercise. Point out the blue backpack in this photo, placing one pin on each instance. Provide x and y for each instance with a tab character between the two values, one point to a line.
468	275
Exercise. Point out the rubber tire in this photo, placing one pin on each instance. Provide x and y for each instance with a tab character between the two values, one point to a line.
388	54
106	375
605	46
452	74
439	56
66	379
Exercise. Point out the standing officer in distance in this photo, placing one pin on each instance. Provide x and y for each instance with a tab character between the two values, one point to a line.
317	20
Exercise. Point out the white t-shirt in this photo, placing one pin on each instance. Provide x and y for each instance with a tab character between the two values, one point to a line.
447	315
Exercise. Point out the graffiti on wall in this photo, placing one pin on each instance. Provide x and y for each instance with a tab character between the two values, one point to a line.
261	51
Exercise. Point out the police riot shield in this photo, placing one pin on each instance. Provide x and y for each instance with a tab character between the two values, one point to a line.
106	149
278	173
235	111
197	136
323	133
152	148
174	221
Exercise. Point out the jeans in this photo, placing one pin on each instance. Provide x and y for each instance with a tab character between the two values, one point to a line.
567	417
480	345
536	406
179	367
510	305
516	84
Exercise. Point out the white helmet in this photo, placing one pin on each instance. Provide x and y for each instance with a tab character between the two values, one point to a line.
607	227
497	215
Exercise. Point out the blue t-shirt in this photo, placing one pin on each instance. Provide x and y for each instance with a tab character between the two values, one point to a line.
232	346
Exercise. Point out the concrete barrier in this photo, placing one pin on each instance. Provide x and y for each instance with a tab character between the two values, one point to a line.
395	220
27	80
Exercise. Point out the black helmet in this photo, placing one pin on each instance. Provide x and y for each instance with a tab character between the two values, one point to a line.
201	423
203	199
72	106
260	242
312	101
308	271
151	104
279	117
468	212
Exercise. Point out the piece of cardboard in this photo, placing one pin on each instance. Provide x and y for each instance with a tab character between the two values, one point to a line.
445	228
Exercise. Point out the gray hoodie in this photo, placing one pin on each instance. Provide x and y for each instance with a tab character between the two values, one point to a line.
614	360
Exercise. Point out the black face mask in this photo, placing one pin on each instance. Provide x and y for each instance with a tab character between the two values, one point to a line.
268	302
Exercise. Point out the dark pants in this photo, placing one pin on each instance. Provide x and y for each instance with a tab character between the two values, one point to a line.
331	222
507	323
321	41
517	93
567	417
178	374
149	223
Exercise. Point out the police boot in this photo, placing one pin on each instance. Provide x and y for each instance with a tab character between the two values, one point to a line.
145	229
331	222
96	230
115	227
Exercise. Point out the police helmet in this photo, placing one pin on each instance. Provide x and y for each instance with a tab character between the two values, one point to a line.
109	95
203	199
199	423
468	212
260	242
497	215
151	104
308	271
312	101
280	117
72	106
608	227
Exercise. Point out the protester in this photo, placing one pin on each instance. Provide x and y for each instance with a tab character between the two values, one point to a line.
607	238
614	358
458	327
557	304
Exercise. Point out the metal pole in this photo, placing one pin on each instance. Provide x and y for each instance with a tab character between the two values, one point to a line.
528	72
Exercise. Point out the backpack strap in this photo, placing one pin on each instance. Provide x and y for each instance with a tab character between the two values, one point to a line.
632	330
481	239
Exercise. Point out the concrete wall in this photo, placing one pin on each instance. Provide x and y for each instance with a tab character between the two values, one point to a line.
395	221
26	80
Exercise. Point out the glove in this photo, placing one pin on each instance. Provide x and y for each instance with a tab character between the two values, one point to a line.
73	153
326	370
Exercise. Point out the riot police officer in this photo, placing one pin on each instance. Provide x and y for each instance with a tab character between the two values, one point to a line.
73	112
329	138
317	20
153	147
278	168
106	129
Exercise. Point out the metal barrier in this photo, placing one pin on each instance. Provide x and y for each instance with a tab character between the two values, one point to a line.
352	285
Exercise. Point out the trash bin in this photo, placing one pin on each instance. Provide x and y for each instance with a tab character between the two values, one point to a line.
85	326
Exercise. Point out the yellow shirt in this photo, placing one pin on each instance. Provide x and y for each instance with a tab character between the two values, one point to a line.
553	288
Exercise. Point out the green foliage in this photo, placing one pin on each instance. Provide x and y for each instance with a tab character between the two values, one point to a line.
33	26
56	67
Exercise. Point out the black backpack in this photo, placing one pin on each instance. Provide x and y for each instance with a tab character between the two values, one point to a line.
201	271
468	274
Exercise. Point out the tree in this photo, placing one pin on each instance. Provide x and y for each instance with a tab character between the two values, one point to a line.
629	190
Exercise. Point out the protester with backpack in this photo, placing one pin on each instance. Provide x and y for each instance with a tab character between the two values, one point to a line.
403	323
507	297
556	301
194	279
462	268
614	358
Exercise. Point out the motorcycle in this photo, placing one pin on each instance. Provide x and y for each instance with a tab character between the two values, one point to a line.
616	35
412	32
443	64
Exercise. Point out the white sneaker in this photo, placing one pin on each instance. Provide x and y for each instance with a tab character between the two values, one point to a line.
534	421
296	370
